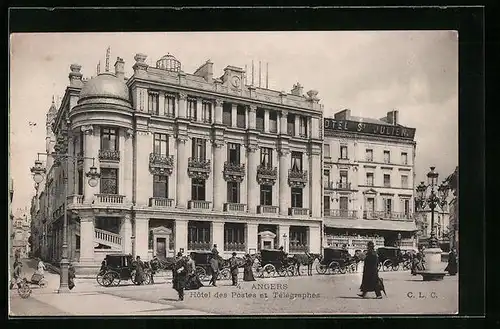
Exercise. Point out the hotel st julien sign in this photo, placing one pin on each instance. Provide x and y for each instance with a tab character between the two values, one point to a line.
331	126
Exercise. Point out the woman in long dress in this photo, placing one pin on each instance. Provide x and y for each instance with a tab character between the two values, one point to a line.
451	268
247	269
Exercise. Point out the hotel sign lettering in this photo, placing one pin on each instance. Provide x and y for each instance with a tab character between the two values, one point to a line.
332	125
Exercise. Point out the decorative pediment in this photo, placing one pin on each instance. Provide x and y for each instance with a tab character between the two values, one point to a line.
267	235
370	191
161	230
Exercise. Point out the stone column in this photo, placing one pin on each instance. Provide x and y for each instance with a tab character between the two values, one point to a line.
217	234
87	234
266	121
283	123
246	118
314	239
252	184
144	179
251	237
182	108
234	114
284	189
306	191
218	166
91	150
284	229
126	234
182	177
315	181
141	235
252	117
218	111
181	234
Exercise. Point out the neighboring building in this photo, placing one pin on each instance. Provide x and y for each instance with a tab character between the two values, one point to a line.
21	233
11	217
368	179
452	182
186	161
441	223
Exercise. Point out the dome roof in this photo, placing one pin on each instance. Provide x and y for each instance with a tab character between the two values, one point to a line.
105	85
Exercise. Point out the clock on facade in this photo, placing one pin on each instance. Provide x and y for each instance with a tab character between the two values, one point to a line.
235	81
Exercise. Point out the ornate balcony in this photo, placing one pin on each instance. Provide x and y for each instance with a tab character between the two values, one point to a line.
261	209
267	175
160	202
235	207
161	164
109	198
293	211
199	205
341	213
199	246
329	185
343	185
385	215
199	168
234	172
297	178
235	246
109	155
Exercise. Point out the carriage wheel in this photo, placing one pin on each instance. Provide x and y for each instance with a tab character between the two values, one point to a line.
24	290
290	271
395	267
343	269
147	277
407	265
99	277
352	268
269	271
333	267
379	266
224	274
387	265
109	278
201	273
321	269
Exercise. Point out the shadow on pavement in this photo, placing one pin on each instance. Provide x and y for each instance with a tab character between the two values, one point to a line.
170	299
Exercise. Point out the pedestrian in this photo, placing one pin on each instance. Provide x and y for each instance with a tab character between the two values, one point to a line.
247	270
193	282
16	274
233	263
71	276
179	273
451	268
139	271
214	267
41	267
215	251
370	280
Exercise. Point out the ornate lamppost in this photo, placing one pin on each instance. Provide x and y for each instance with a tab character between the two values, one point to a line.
61	156
432	200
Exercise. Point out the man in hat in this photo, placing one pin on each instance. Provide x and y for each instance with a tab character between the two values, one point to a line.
233	263
371	281
214	267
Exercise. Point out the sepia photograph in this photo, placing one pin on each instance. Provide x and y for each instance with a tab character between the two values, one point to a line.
233	173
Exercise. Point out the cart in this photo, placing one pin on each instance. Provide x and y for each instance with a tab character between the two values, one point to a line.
24	287
336	260
272	262
389	258
120	268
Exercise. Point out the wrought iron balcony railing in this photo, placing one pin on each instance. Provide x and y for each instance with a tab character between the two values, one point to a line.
297	178
341	213
160	164
199	168
109	155
387	215
234	172
267	175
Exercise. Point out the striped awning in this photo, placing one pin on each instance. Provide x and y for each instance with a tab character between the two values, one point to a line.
371	224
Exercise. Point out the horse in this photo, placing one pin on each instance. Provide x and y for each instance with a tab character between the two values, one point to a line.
305	259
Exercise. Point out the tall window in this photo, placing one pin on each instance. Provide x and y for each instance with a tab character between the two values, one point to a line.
109	181
160	186
326	150
240	118
109	139
199	148
198	189
406	206
369	155
404	158
266	158
170	106
259	120
198	232
298	238
207	112
273	122
343	205
234	236
233	153
291	124
81	140
404	181
297	161
160	145
233	192
303	126
296	197
326	202
266	195
191	109
343	179
387	156
153	103
387	205
326	177
343	151
227	114
387	180
369	178
80	182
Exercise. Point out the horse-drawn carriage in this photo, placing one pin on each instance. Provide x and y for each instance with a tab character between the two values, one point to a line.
119	268
390	258
203	268
336	260
273	262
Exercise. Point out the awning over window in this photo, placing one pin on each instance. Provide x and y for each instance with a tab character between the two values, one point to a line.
371	224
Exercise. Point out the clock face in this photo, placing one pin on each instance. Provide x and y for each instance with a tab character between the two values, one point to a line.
235	81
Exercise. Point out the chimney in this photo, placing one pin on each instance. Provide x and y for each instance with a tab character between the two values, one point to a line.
392	117
75	76
120	68
343	115
206	71
297	90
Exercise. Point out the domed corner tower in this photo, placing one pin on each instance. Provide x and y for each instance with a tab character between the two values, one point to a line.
169	63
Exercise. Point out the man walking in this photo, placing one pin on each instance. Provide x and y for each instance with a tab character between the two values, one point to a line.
214	266
233	263
370	280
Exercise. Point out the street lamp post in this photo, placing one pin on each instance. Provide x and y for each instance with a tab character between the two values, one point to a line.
60	155
433	253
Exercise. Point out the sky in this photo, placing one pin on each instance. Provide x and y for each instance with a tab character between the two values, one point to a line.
369	72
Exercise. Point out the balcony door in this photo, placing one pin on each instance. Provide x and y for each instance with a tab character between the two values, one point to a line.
343	205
